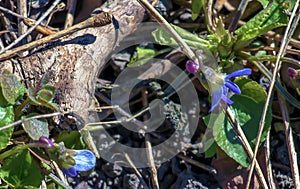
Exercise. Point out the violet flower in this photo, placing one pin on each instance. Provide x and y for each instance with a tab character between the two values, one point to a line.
71	161
221	91
219	83
85	160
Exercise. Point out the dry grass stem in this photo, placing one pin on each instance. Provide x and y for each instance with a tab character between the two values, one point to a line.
285	41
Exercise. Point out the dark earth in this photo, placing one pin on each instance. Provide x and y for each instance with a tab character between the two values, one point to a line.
175	173
178	172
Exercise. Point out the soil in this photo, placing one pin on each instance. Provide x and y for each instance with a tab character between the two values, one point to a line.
177	172
174	173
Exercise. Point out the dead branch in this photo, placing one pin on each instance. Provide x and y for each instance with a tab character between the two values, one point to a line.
73	62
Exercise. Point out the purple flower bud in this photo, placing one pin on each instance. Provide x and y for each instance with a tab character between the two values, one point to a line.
46	142
191	66
292	72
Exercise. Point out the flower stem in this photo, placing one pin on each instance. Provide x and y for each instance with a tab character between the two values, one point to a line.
17	149
19	109
238	15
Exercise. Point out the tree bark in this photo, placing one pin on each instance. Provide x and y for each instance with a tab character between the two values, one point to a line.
74	61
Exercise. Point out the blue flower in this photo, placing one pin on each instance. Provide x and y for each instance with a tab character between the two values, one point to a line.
220	92
85	160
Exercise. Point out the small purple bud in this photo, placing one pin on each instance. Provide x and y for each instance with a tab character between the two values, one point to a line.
45	141
191	66
292	72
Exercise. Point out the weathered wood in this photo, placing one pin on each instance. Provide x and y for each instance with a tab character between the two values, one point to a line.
74	61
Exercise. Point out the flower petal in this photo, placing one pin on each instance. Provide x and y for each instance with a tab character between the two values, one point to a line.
245	71
71	172
233	87
227	100
85	160
216	98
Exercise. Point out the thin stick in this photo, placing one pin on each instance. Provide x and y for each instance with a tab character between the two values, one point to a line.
238	15
289	141
22	10
7	25
70	15
60	7
58	181
184	47
287	36
97	20
31	28
208	16
268	162
42	29
11	12
198	164
267	48
30	22
241	136
22	28
136	171
152	166
59	172
30	118
129	119
51	175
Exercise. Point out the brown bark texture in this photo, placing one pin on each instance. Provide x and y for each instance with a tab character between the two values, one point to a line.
73	62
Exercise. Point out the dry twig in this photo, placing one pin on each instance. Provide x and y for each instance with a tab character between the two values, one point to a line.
152	166
32	28
287	35
70	15
136	171
241	136
289	141
197	164
97	20
31	118
22	10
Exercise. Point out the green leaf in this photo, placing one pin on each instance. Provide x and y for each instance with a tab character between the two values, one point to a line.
211	151
164	38
251	89
36	128
6	117
144	55
72	140
256	60
12	88
196	8
46	93
268	19
21	171
32	96
225	42
248	114
43	97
